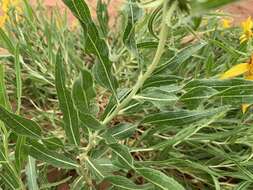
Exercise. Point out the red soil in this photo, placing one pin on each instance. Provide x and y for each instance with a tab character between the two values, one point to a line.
113	7
239	10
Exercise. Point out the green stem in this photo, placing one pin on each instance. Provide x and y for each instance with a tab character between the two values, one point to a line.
160	49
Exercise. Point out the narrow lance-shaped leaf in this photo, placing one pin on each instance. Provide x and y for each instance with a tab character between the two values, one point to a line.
31	174
20	154
102	16
83	91
8	182
95	169
125	183
20	125
217	84
94	44
4	101
78	183
90	122
236	95
180	117
159	179
53	143
180	57
18	79
123	154
121	131
10	176
20	145
133	13
39	152
70	116
194	97
6	41
161	80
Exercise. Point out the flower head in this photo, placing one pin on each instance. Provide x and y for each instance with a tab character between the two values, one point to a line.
6	5
3	20
242	68
226	23
247	30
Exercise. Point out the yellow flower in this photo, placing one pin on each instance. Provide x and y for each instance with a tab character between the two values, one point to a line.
242	68
6	5
247	30
3	19
226	23
4	8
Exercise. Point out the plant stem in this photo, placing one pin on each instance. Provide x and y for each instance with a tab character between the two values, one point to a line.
160	49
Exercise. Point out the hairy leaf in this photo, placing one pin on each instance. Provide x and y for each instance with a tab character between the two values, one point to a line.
20	125
39	152
180	117
83	91
70	116
159	179
94	44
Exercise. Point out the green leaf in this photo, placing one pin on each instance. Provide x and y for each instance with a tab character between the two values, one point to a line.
10	176
90	122
217	84
20	125
243	185
31	174
160	96
20	154
94	44
53	143
122	131
78	183
103	17
95	169
236	95
159	179
18	78
70	116
7	42
161	80
124	183
180	57
194	97
83	91
232	91
4	101
123	154
133	13
8	181
39	152
180	117
151	22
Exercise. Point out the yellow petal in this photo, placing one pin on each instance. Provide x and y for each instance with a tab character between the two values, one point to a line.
226	23
249	77
247	24
245	107
236	70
